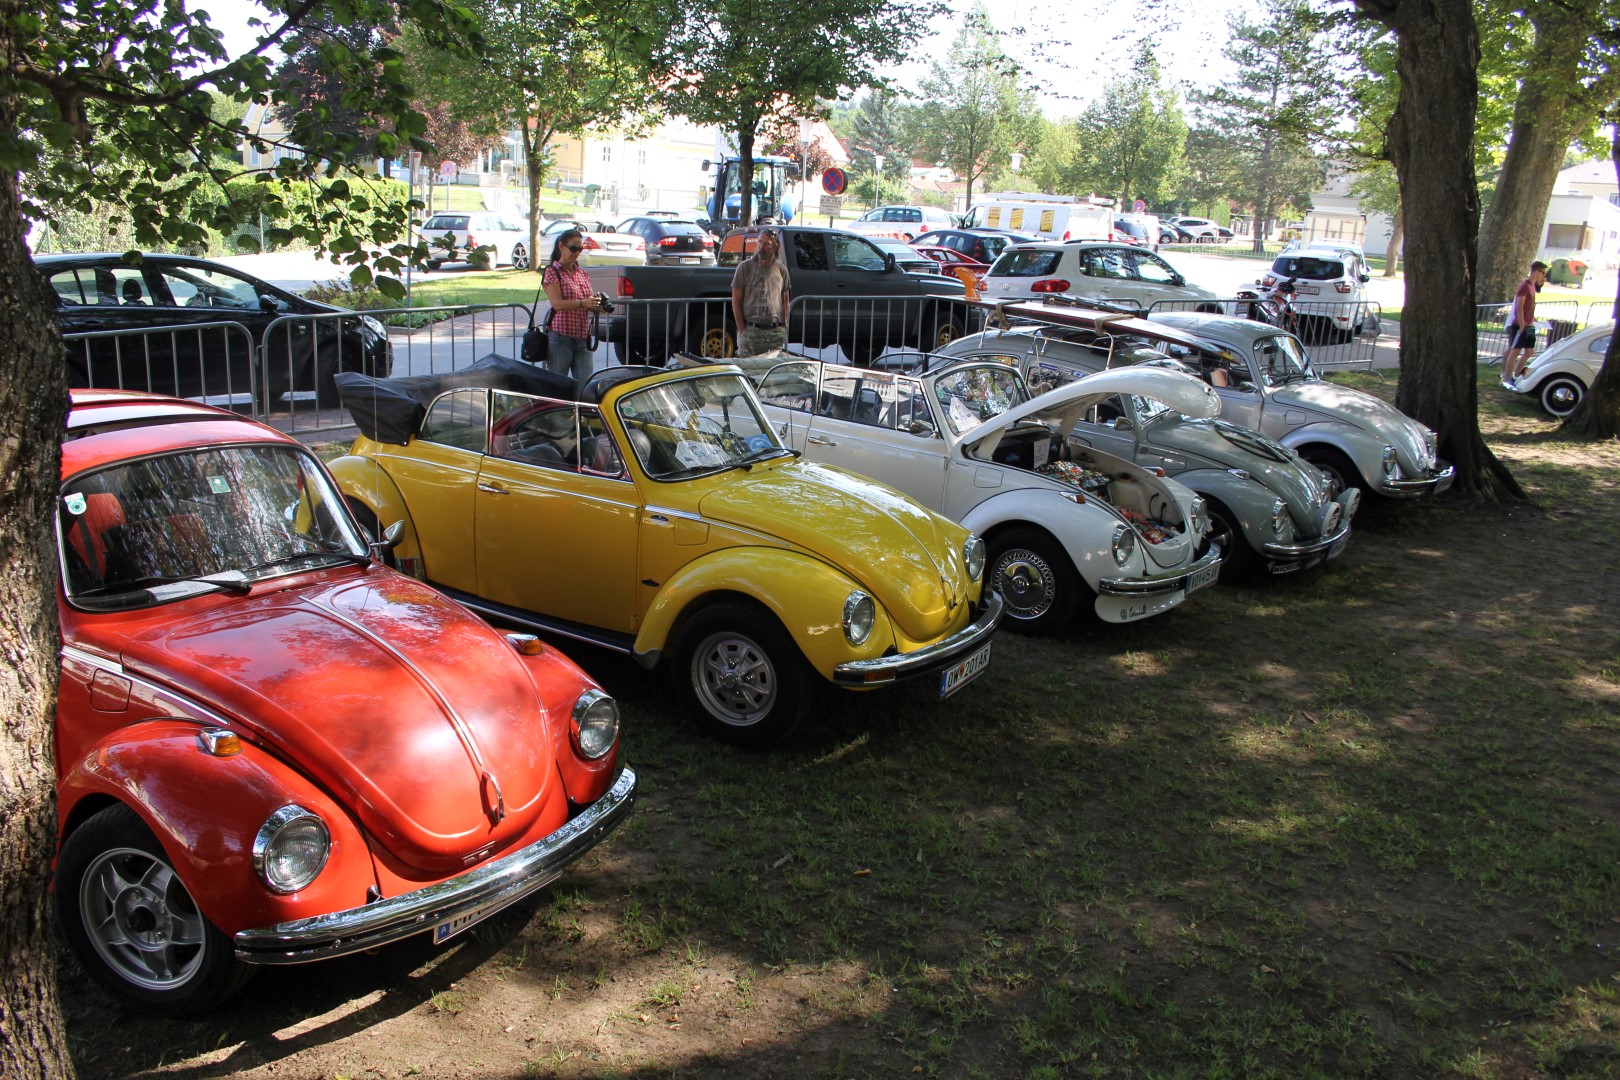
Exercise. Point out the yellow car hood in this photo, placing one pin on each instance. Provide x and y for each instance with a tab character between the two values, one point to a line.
907	557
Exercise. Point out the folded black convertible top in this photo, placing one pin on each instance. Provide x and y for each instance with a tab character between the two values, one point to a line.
391	410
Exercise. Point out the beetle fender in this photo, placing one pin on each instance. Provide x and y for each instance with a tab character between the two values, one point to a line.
806	596
362	479
1084	530
206	810
1365	450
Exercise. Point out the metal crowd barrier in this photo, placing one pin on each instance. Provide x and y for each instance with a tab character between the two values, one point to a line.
215	361
859	327
1490	325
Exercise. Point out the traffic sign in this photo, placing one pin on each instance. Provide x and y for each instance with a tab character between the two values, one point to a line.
449	169
833	181
1138	206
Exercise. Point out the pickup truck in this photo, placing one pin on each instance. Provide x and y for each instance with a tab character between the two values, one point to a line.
846	292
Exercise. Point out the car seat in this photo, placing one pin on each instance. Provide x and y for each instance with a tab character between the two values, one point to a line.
131	292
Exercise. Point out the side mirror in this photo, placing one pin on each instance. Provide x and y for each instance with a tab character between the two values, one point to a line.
1177	279
267	304
1122	424
1365	277
390	540
889	264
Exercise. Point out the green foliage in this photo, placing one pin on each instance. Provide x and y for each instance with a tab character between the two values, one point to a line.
142	136
877	129
1131	143
974	108
1275	111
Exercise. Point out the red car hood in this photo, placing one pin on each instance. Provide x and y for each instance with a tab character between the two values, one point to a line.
391	697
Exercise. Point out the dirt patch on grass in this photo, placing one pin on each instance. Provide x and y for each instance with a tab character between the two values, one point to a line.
1361	822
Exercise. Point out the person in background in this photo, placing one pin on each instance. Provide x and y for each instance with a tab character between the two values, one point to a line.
568	287
1521	328
759	298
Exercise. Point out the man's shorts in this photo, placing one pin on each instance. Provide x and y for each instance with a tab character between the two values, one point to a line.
1521	337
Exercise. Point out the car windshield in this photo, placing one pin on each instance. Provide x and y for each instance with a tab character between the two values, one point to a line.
696	426
164	528
1025	263
968	396
1308	267
1279	359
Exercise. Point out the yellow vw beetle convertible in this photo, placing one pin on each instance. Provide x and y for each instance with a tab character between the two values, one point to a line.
659	514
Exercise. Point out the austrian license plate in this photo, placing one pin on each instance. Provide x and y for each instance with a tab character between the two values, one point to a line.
451	927
1198	579
689	258
1308	290
954	678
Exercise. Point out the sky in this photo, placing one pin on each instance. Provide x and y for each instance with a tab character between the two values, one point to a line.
1071	48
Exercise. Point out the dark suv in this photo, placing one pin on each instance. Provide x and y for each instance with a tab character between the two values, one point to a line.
980	245
671	241
177	293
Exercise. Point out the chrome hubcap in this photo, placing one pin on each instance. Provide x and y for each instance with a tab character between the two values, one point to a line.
734	679
1026	584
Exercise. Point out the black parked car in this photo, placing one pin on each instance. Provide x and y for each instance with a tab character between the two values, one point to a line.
176	293
671	241
980	245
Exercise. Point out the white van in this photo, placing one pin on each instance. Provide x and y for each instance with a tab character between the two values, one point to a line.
1056	217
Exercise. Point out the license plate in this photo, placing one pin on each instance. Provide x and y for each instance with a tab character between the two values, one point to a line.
1338	547
451	927
1308	290
689	258
1198	579
954	678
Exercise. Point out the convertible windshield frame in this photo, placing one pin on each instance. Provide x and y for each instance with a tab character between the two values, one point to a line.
687	428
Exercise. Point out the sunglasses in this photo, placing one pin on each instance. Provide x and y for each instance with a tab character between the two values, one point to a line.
575	247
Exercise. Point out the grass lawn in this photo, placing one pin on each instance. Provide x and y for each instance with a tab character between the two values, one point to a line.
1362	822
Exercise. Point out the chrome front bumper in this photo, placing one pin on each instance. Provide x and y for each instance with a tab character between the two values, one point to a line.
941	654
1290	554
1433	484
1156	584
484	889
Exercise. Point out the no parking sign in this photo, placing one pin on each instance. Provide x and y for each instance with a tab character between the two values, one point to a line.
833	181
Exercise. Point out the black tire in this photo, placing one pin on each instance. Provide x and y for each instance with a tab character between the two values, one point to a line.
1561	394
742	676
134	926
433	264
862	351
634	352
1341	474
1239	561
709	339
520	256
1036	580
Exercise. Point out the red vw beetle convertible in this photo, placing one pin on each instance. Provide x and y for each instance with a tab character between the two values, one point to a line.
270	747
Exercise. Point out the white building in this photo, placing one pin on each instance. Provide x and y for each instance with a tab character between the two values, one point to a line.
1583	216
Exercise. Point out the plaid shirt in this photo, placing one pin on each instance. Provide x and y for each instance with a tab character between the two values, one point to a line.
575	285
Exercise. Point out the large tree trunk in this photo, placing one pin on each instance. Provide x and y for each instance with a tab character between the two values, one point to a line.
1598	414
1397	235
1546	116
1431	143
33	403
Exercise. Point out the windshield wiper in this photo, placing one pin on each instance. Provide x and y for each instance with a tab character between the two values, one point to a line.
237	583
313	553
765	453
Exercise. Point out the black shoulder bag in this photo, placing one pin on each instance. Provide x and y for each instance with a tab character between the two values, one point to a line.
534	338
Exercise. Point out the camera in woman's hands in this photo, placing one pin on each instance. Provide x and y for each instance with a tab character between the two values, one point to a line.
603	303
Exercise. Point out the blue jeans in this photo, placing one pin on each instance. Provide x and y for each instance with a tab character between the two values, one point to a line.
569	356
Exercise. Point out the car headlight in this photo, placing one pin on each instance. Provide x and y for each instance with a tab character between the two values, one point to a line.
1282	526
1431	443
1123	545
596	724
973	554
860	615
1200	516
374	326
1391	463
291	849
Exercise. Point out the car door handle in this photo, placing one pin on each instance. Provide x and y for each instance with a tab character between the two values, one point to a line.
817	440
493	489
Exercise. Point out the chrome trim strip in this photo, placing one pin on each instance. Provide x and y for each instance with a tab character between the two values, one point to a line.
1155	584
928	658
113	667
493	885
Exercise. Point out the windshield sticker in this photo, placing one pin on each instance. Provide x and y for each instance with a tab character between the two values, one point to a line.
76	503
700	455
219	485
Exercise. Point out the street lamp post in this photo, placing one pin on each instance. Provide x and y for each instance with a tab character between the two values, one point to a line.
877	179
804	168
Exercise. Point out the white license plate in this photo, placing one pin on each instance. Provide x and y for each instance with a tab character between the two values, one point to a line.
1198	579
1338	547
689	258
451	927
953	679
1308	290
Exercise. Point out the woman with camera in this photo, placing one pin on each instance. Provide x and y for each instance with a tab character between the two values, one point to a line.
568	332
